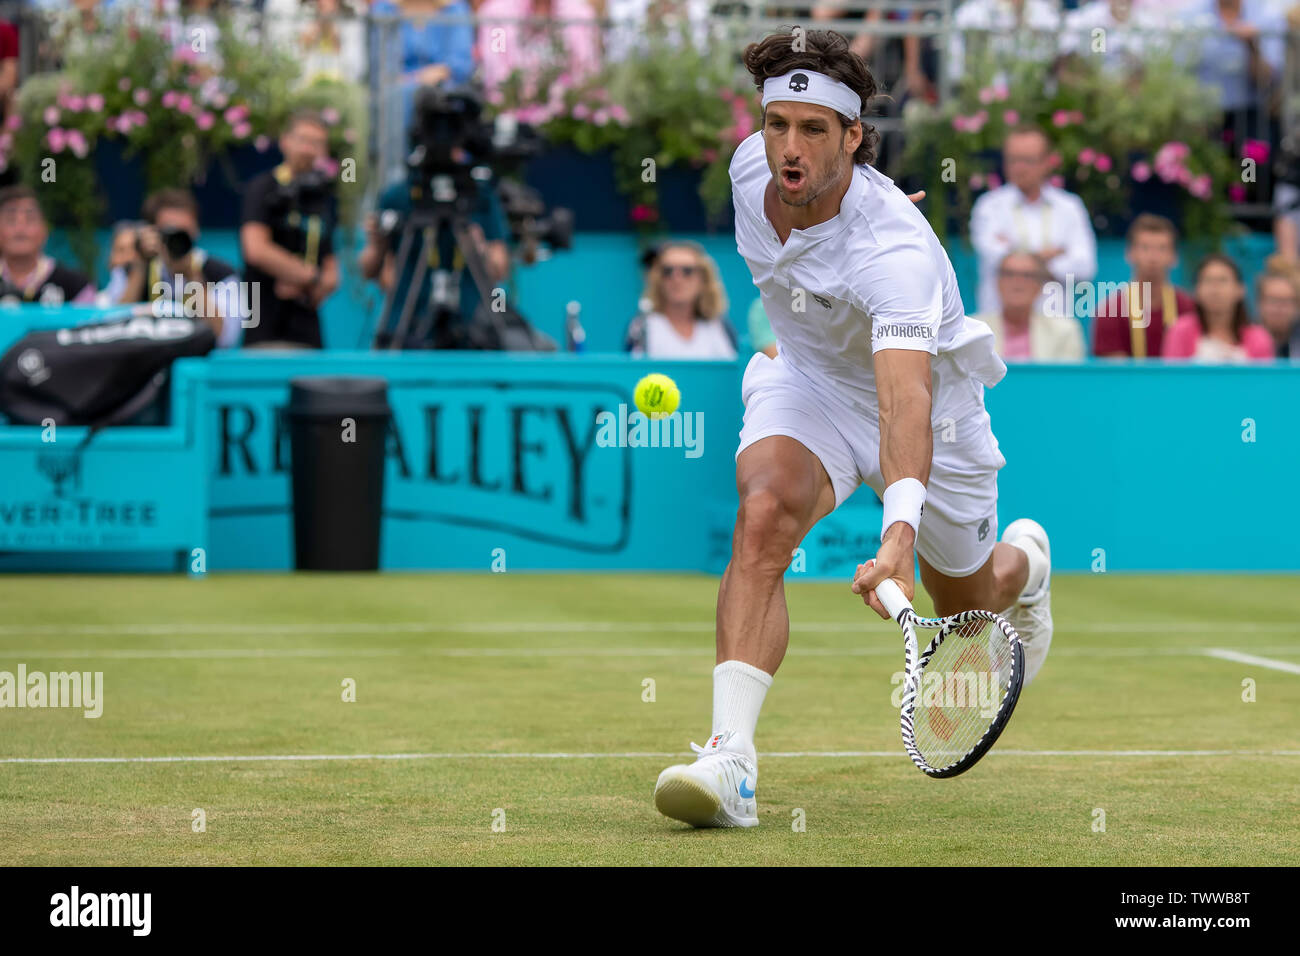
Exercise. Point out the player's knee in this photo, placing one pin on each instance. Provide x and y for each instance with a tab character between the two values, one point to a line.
768	528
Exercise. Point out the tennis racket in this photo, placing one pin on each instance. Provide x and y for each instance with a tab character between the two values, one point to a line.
958	694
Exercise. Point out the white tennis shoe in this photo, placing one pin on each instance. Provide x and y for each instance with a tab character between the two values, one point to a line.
1031	615
715	791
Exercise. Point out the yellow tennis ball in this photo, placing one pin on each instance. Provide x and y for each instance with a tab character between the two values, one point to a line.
657	395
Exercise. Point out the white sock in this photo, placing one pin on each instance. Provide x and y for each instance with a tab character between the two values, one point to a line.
738	692
1037	565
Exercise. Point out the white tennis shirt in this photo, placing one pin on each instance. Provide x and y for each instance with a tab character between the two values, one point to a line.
872	277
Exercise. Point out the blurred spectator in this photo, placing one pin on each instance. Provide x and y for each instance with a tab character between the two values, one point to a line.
1127	26
433	44
168	268
1242	49
27	274
332	44
1219	328
1029	214
1021	330
916	50
121	253
287	239
75	29
521	35
378	261
688	320
1278	300
1134	326
634	23
761	335
1286	201
1008	29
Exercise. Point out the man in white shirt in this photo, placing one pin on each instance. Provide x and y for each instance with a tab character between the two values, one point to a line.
875	351
1028	214
1006	30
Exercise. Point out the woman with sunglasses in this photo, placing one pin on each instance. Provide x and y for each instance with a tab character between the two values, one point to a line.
685	306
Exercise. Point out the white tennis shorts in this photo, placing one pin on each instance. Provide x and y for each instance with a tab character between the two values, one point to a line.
959	525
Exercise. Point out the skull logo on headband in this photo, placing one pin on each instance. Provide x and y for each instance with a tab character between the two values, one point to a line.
799	82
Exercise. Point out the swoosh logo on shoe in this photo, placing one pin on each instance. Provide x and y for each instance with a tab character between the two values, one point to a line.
745	791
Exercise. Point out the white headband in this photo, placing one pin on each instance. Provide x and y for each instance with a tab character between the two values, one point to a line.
808	86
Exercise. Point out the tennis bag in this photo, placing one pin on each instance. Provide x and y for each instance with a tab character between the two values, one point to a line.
98	374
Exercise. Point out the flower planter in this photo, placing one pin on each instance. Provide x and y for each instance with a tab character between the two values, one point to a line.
585	183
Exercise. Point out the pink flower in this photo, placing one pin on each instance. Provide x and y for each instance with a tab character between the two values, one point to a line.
979	119
219	101
1141	171
95	102
169	99
76	103
124	84
644	213
262	144
13	121
994	180
57	139
6	142
1000	92
708	155
204	120
122	124
1200	187
1237	192
1060	119
330	115
959	123
1103	163
1086	156
582	111
141	96
241	130
600	117
76	141
1010	117
1058	182
1053	160
986	95
185	103
51	116
138	117
976	181
349	135
1076	116
192	79
618	113
1256	149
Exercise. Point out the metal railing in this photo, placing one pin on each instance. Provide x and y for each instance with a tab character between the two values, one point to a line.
1268	114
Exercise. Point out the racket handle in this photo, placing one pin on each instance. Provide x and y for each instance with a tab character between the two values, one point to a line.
892	597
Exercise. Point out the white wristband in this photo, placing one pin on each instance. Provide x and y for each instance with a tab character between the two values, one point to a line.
904	500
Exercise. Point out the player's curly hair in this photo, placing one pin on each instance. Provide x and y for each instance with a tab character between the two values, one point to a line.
825	51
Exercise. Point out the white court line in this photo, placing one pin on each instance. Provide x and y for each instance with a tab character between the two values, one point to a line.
577	652
832	754
1172	627
1240	658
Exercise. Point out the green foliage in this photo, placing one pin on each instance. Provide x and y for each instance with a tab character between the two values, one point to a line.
1104	124
671	105
180	111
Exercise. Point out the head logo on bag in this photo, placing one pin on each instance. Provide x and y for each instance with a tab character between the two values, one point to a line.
98	374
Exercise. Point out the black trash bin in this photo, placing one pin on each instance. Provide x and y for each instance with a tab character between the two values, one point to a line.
338	428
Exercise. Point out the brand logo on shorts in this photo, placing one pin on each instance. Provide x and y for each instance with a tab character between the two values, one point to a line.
984	529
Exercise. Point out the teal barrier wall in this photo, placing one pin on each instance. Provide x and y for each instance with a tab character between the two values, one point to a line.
1131	467
602	272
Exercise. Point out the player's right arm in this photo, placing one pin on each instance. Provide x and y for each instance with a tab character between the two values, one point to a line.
905	300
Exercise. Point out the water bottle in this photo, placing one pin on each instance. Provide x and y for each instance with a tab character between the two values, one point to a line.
575	335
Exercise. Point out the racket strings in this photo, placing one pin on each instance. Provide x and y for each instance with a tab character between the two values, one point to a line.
961	689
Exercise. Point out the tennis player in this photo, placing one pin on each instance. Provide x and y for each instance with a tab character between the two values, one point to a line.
879	378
